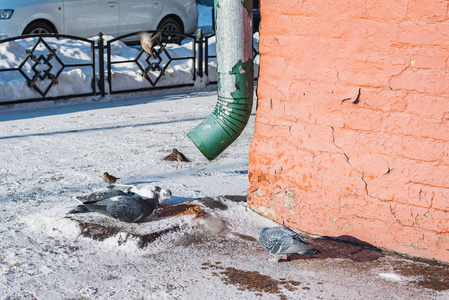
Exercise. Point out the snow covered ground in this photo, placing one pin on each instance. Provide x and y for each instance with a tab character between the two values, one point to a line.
51	154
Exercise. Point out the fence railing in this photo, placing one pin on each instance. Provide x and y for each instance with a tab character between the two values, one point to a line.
52	66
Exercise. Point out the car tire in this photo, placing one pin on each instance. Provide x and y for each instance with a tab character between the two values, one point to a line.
173	25
39	27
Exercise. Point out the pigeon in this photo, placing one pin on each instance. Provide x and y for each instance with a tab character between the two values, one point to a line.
281	241
109	178
147	42
119	205
146	191
177	156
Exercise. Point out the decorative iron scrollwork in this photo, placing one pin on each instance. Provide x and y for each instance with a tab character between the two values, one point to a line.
154	66
37	68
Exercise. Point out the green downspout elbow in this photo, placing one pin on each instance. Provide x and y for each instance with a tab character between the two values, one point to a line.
235	75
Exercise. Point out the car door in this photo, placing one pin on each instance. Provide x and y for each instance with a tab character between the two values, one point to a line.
87	18
138	15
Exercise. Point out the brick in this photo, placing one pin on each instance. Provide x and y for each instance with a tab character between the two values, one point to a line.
272	64
312	137
441	199
437	220
443	242
379	99
334	8
361	118
388	187
297	167
441	254
393	144
413	125
407	215
373	47
425	173
386	9
429	10
352	206
358	73
411	240
267	90
308	109
348	181
429	58
417	195
420	80
308	58
420	32
428	106
370	164
422	149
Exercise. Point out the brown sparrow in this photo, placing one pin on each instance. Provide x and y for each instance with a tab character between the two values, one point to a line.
109	178
176	156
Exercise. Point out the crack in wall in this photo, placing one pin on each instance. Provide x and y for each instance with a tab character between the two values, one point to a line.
362	175
396	75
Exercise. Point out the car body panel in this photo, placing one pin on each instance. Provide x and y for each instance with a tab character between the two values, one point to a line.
139	14
26	12
87	18
189	18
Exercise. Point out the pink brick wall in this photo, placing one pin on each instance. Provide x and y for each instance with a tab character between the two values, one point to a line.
329	160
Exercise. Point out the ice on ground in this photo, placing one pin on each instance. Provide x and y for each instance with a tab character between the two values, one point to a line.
390	276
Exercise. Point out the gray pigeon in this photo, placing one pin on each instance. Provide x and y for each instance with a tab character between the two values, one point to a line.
282	241
119	205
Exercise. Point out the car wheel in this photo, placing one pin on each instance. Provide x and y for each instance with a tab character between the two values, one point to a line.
39	27
173	25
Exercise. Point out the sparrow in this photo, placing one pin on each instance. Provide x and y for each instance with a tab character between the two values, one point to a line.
109	178
147	42
176	156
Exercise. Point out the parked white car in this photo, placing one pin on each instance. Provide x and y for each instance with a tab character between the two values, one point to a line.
87	18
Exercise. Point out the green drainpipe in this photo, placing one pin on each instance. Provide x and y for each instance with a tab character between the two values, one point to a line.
235	75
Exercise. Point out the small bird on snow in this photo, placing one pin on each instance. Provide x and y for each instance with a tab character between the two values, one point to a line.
109	178
177	156
147	42
281	241
119	205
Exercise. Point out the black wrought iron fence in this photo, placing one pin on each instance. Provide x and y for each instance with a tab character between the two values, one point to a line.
49	67
38	67
168	65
